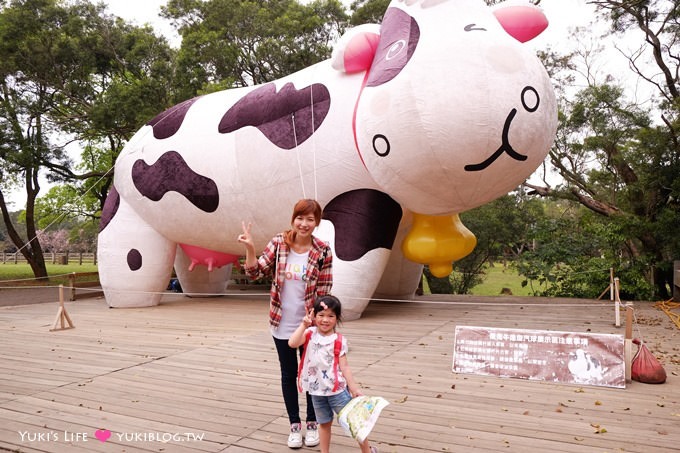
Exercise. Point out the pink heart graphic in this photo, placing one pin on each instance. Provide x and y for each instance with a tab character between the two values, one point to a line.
102	434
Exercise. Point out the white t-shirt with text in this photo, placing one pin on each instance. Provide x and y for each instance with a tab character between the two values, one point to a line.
292	295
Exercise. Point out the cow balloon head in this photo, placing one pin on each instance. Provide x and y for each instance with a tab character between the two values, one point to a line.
455	111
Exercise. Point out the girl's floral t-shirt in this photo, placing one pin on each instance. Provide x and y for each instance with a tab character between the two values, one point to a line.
317	372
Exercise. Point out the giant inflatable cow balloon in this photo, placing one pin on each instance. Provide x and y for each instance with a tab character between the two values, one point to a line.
438	110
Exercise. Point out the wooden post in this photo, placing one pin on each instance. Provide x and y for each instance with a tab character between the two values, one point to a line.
62	319
617	303
676	281
72	284
628	341
610	287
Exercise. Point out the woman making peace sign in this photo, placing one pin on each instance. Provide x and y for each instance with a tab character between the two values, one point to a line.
301	268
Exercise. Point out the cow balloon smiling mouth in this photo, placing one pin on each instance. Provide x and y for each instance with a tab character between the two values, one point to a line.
438	110
505	146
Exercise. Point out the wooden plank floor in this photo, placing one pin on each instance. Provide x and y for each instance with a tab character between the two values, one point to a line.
200	375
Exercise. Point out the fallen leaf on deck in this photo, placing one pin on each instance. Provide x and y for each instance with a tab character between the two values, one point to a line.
598	428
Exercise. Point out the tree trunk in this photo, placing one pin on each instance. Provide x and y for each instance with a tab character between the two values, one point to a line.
31	250
438	285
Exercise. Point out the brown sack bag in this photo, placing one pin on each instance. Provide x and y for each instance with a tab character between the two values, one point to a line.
645	367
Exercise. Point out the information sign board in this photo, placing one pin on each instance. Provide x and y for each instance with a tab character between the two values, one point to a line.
565	357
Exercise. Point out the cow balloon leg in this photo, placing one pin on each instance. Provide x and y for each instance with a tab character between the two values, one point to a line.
361	226
134	261
402	276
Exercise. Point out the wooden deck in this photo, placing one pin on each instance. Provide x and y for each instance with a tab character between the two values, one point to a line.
201	375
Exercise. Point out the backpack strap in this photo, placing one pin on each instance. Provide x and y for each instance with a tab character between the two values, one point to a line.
308	335
336	359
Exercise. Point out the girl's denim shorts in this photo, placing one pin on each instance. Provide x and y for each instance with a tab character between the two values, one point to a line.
324	406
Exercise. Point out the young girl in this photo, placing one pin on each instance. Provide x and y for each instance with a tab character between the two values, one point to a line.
301	267
319	374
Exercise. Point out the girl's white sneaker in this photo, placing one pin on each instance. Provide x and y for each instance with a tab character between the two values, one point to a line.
312	434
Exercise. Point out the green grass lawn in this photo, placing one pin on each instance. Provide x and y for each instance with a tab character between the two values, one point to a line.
499	277
21	274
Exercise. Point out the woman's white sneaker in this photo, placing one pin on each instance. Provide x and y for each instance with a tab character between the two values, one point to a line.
295	436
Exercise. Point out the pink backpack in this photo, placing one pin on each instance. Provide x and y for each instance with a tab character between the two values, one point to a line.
336	359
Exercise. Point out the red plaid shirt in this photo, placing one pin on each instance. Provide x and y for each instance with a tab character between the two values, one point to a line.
319	273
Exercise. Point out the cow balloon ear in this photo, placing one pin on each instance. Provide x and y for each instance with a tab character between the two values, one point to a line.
355	50
521	20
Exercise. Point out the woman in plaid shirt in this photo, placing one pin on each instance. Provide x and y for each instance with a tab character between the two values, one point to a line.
301	267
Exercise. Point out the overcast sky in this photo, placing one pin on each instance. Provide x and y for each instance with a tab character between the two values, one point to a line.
561	14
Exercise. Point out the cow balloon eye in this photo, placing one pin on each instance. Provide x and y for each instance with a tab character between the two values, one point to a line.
530	99
395	49
381	145
474	27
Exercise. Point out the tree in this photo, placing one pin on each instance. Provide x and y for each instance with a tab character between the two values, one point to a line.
83	237
30	47
502	229
69	73
620	159
368	11
233	43
55	241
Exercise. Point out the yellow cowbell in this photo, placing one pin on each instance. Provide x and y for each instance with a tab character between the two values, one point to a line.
438	241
